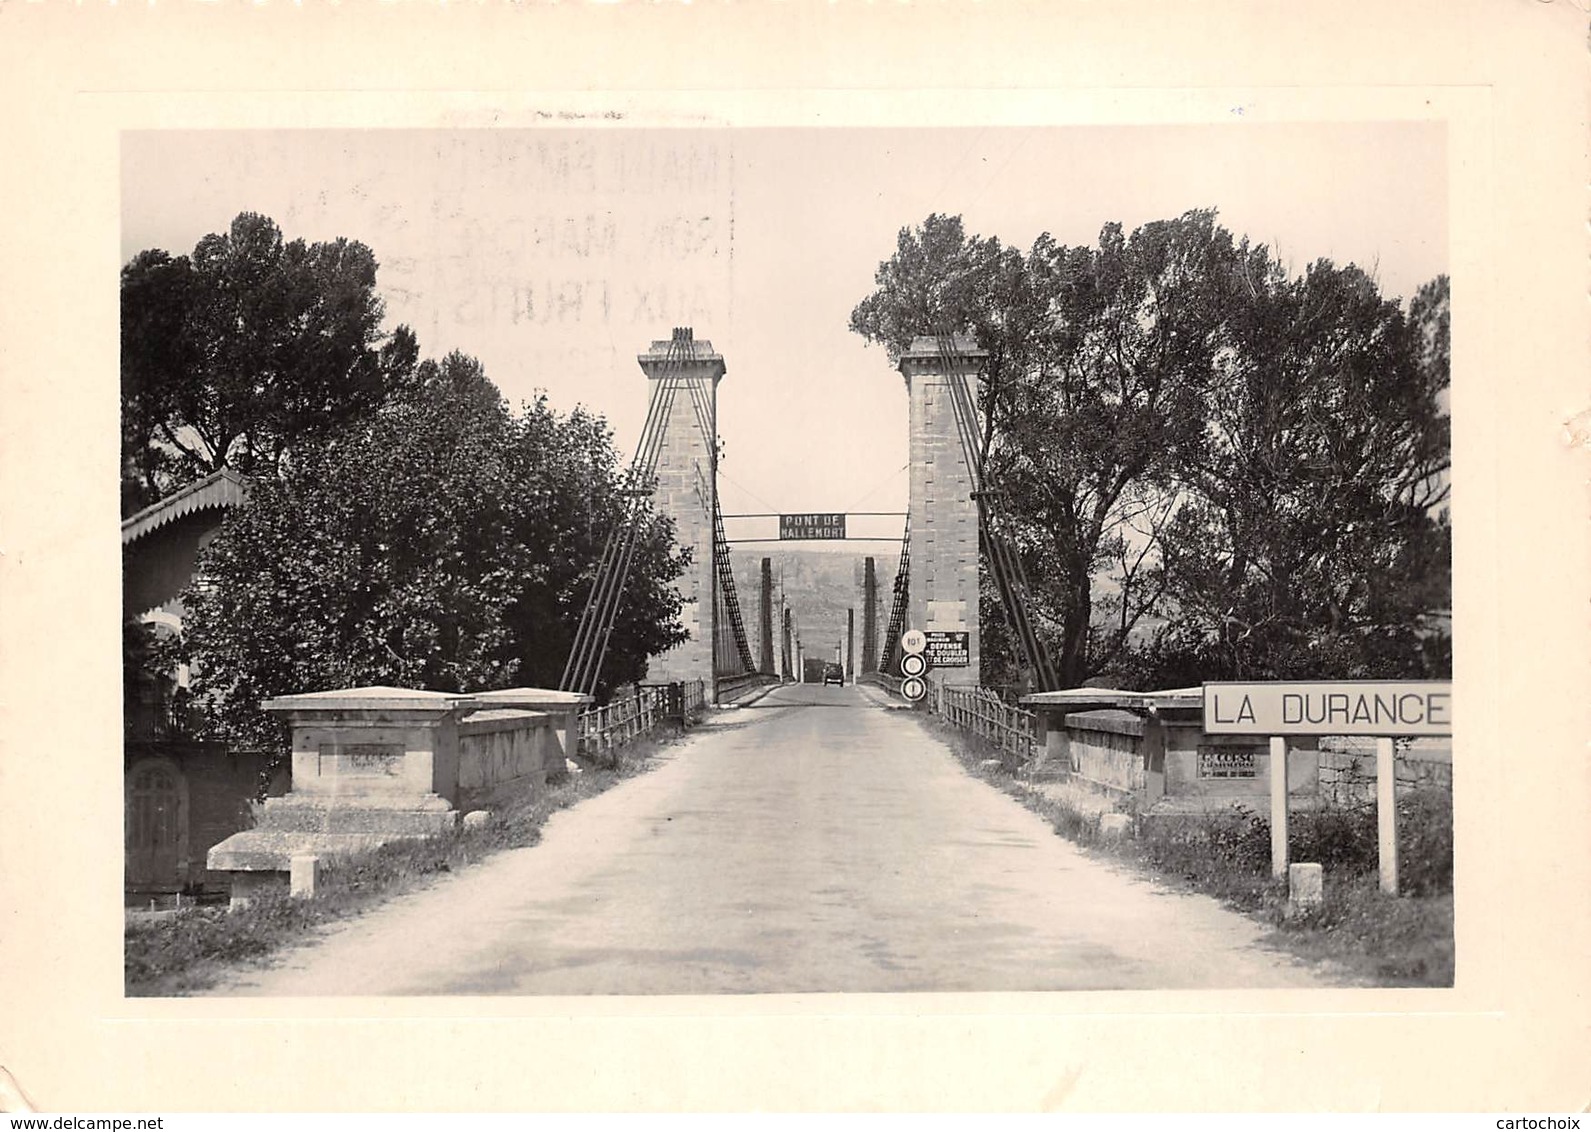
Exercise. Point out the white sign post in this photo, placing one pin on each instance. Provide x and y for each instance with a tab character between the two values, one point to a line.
1387	815
1380	708
1278	806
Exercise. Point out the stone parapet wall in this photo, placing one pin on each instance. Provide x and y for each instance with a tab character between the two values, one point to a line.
1149	750
377	765
1106	749
1348	768
1203	770
505	750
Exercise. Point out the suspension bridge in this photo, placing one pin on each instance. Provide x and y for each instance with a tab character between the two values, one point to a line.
675	471
796	849
790	849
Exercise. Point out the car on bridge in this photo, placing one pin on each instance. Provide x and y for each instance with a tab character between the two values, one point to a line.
834	674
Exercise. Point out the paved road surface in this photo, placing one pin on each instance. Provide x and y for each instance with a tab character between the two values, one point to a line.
811	842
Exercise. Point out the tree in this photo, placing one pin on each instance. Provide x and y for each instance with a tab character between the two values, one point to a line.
244	350
1187	444
156	292
1313	544
1090	430
579	504
438	543
1097	358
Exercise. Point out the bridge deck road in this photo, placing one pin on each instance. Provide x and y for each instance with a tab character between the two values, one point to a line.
811	842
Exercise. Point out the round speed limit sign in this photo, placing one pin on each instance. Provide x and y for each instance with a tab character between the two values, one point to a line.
913	641
913	688
913	664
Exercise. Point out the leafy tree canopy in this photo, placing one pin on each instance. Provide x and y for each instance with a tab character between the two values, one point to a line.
443	542
1313	541
1205	463
245	349
405	526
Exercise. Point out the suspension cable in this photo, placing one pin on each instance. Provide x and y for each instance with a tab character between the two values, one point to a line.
1005	563
897	609
601	607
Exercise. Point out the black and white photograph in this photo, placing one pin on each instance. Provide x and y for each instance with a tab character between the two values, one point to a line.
691	557
583	560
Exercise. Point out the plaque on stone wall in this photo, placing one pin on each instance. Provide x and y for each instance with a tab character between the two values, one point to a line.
361	760
1227	762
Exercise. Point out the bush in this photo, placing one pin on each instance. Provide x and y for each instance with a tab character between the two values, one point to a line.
1425	842
1340	838
1345	839
1395	941
1225	853
1234	839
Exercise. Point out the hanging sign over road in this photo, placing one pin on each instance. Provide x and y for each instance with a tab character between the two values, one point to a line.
948	649
1388	708
814	525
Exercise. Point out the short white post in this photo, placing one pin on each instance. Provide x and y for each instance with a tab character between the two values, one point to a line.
1387	814
1278	806
1306	889
304	871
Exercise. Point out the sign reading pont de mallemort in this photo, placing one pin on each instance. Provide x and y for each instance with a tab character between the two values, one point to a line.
812	525
1330	707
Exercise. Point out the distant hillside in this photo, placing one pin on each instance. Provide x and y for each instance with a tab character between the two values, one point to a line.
819	586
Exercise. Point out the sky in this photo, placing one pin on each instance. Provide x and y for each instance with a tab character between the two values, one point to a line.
555	255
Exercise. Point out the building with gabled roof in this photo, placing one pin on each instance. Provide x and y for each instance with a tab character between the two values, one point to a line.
161	543
183	793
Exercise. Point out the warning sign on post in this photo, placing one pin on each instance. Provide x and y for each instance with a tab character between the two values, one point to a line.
948	650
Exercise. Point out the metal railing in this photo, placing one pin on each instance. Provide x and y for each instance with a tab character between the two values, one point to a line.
605	729
980	711
729	685
164	719
890	684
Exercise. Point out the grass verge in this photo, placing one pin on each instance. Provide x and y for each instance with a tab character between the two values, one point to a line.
191	950
1377	940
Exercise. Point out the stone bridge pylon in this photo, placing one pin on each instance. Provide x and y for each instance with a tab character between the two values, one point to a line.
943	574
942	565
687	489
